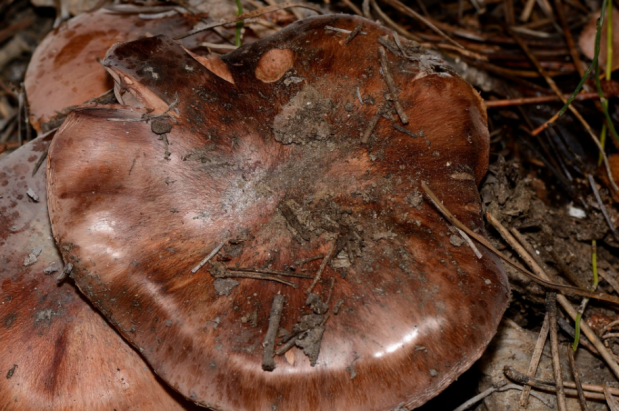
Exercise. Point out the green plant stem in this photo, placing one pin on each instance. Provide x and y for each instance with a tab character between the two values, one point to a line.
585	300
593	66
239	25
610	51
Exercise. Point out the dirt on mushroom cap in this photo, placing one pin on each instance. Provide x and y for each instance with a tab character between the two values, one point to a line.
405	288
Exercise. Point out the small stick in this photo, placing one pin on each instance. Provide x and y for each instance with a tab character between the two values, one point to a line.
272	331
499	386
284	348
317	277
531	372
602	206
353	7
404	130
470	243
249	15
254	276
208	257
610	335
570	330
412	13
309	259
389	80
353	34
538	383
575	371
549	386
331	289
371	126
402	31
611	402
540	99
20	115
270	271
553	337
41	158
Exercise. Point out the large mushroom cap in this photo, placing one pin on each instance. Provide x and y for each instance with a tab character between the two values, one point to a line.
58	353
273	166
65	70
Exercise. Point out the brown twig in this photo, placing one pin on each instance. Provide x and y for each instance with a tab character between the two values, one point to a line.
555	355
602	206
272	331
389	80
611	401
253	276
249	15
353	34
536	355
371	126
208	257
270	271
412	13
353	7
540	99
328	257
402	31
575	371
595	393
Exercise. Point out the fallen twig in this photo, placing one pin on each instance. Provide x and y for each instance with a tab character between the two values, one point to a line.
389	80
272	331
555	355
536	355
249	15
328	256
208	257
575	371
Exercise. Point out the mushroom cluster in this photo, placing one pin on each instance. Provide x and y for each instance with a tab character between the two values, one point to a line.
256	227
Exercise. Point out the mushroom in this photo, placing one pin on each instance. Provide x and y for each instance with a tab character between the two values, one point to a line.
64	70
58	353
266	242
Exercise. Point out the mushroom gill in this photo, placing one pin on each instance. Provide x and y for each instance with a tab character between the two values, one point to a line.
332	282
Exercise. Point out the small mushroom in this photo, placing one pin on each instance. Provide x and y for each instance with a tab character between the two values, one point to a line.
58	352
64	70
305	189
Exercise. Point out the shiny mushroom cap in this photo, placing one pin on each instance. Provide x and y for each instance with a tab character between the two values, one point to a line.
301	183
65	70
58	353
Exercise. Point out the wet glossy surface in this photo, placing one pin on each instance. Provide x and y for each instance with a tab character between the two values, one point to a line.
277	171
57	352
65	71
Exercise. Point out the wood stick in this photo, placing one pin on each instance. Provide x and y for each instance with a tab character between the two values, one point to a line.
555	355
536	355
575	371
272	331
389	80
541	99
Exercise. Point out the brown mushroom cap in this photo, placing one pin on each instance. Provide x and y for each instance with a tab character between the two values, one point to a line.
64	70
58	353
276	171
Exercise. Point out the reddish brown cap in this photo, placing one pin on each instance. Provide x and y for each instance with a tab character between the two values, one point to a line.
64	70
57	352
282	172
